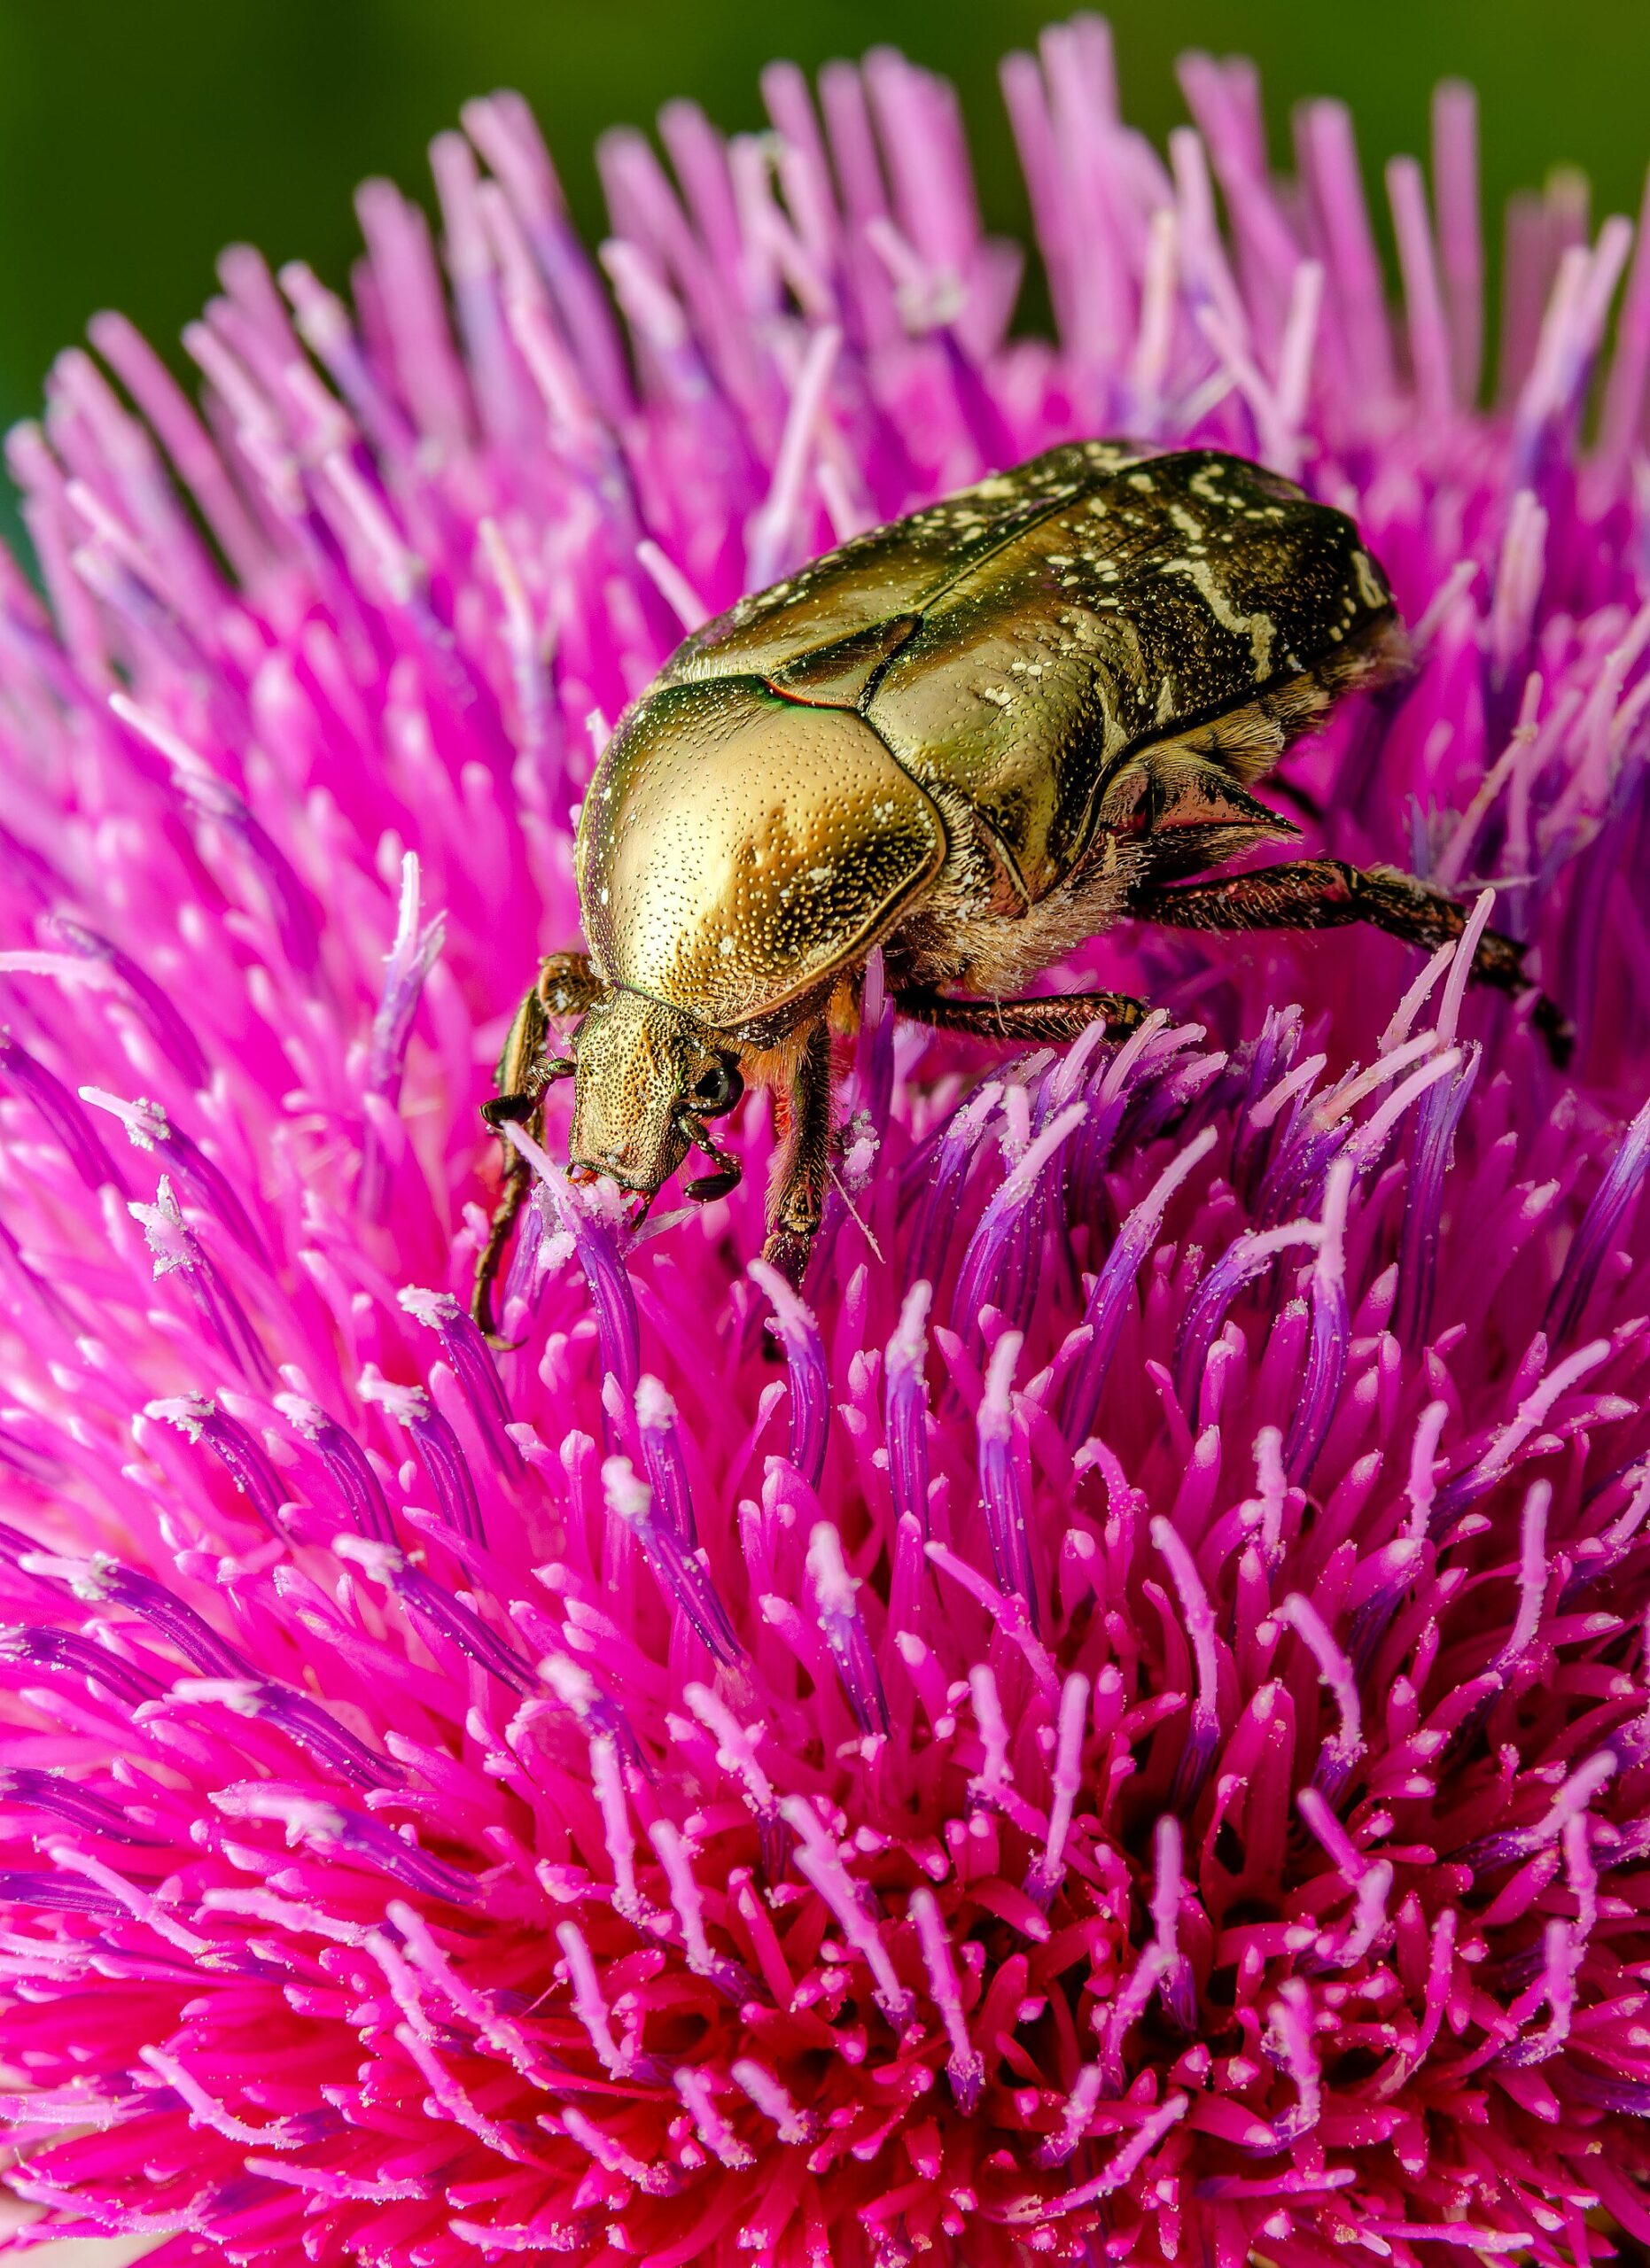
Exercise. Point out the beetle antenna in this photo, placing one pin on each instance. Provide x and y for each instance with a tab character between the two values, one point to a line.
729	1171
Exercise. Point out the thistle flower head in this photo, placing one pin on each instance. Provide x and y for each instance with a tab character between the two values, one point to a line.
1117	1725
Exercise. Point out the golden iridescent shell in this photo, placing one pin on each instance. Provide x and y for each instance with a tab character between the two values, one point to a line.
1013	655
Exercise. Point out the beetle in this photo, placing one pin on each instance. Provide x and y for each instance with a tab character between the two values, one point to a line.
972	738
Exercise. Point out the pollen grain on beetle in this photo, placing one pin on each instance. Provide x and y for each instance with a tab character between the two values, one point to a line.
1114	1721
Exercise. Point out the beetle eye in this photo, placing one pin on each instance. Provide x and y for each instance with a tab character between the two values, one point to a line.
718	1088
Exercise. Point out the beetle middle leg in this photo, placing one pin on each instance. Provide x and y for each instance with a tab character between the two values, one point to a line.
796	1202
1328	894
1052	1020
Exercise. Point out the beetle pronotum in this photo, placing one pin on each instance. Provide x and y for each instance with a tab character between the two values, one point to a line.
973	738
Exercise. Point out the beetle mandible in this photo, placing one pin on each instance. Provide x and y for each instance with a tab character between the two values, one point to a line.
974	738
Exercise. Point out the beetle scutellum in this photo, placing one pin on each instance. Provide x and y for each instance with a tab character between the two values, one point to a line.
975	738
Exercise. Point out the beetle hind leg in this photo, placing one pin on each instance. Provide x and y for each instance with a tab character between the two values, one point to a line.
1328	894
1052	1019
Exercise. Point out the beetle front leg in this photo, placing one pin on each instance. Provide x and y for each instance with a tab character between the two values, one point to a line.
796	1202
524	1107
1049	1021
565	986
1328	894
517	1177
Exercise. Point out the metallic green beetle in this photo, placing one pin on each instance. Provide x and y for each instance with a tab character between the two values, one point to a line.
973	738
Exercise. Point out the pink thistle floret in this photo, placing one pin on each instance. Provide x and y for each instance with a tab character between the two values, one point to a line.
1113	1725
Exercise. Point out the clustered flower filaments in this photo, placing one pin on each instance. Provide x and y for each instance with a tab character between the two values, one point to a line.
1119	1727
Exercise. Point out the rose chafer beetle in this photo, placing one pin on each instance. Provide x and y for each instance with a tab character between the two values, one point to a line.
973	738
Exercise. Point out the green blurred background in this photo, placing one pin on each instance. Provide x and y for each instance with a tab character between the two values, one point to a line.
136	136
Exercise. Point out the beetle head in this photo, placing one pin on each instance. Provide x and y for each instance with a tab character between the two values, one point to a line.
646	1080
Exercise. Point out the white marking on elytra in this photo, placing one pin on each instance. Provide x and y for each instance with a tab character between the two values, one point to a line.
1368	583
1259	629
